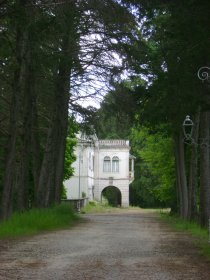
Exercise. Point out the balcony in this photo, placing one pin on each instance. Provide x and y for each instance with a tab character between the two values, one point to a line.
131	176
114	143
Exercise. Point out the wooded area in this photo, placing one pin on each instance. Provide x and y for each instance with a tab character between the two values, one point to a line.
148	52
47	50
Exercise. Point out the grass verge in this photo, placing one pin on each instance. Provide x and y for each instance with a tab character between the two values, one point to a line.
38	220
97	207
201	234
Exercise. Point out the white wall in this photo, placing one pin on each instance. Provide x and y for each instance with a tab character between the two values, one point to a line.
83	178
118	179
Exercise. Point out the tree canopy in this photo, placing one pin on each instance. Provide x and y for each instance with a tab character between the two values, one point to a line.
172	46
50	53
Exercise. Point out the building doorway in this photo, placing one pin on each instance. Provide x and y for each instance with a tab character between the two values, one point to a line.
112	195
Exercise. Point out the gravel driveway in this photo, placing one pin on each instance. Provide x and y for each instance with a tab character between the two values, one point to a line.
128	244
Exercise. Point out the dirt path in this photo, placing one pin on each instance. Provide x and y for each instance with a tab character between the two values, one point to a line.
124	245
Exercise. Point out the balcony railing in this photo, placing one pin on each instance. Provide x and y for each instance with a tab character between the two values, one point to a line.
113	142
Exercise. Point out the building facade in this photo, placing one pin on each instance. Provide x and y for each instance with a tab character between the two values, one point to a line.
101	164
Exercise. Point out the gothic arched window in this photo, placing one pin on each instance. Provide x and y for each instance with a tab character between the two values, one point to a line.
107	164
115	164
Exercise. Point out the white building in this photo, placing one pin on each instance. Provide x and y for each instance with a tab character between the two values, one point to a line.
101	164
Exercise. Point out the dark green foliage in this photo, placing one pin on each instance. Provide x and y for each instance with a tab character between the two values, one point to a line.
154	184
155	177
70	145
117	113
48	52
140	190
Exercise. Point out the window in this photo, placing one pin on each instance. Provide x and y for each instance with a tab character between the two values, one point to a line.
115	164
107	164
111	165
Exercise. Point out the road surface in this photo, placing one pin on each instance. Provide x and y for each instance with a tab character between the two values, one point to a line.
123	245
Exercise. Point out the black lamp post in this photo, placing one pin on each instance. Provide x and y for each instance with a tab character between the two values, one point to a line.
188	125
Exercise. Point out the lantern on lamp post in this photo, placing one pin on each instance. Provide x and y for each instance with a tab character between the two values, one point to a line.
188	126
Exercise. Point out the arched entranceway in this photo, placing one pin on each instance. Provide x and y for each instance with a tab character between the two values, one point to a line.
113	196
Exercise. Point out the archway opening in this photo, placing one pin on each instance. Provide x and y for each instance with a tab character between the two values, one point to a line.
112	195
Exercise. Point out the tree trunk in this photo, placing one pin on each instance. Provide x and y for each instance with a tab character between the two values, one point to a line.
51	174
23	184
204	169
62	110
45	172
18	84
193	175
178	181
181	177
35	150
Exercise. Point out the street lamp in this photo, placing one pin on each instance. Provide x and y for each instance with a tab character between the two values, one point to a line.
188	126
203	75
